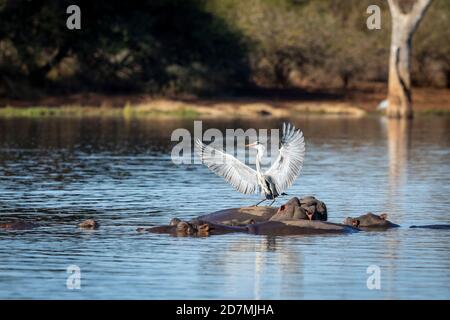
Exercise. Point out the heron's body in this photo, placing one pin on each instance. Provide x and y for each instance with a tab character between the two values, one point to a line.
265	182
270	183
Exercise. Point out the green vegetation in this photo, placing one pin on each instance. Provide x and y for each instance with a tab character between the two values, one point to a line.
79	111
435	112
325	43
172	47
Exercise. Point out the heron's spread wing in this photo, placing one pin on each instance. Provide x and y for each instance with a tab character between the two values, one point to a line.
240	176
288	165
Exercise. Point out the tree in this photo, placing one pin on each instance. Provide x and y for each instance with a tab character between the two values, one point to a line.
153	46
406	16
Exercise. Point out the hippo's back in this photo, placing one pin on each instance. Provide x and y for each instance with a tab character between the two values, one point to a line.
240	215
433	226
299	227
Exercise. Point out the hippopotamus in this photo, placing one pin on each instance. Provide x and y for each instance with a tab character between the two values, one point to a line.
194	227
296	217
434	226
370	221
18	225
240	216
307	208
298	227
21	224
197	227
89	224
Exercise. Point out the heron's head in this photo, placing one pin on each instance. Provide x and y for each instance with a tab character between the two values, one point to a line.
257	145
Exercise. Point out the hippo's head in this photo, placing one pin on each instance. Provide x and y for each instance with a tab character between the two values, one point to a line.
184	228
315	209
89	224
174	222
292	210
354	222
308	208
370	220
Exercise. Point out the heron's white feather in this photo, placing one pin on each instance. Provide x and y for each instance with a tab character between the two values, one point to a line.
240	176
289	162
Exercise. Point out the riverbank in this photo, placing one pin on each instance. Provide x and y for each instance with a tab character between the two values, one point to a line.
354	102
179	109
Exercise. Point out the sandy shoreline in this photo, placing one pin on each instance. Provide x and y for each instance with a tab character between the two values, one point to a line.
180	109
357	102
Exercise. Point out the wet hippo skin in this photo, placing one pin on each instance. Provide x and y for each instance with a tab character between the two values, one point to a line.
240	216
296	217
272	228
298	227
18	225
307	208
194	227
370	221
434	226
89	224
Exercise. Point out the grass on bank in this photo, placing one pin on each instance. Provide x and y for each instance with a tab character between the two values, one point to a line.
79	111
435	112
181	112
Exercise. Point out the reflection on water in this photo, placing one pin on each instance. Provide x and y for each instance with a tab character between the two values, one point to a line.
61	171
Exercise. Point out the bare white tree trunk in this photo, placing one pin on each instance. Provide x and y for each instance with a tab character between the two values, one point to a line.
404	24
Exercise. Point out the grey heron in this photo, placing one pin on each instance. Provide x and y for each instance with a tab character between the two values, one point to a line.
271	183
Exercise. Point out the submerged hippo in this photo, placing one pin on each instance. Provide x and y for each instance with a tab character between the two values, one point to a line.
18	225
89	224
194	227
298	227
434	226
370	221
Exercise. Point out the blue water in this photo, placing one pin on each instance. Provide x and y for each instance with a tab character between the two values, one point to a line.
61	171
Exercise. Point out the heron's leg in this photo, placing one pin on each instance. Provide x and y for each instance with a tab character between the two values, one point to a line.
259	202
272	202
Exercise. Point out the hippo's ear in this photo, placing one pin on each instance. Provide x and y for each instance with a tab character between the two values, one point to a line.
383	216
204	227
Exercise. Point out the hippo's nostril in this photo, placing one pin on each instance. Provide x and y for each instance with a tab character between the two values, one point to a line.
282	207
356	223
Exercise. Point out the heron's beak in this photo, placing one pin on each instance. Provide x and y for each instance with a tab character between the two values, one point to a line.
251	145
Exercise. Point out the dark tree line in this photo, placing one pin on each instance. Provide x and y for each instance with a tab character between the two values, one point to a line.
207	46
157	46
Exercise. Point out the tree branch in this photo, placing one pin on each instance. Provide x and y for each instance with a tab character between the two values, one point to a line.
417	13
395	10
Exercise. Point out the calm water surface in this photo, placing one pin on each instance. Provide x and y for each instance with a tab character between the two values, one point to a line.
120	172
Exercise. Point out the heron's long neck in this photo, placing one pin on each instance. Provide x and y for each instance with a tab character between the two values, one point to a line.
258	161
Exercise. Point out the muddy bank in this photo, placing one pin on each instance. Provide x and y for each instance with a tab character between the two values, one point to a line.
356	101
